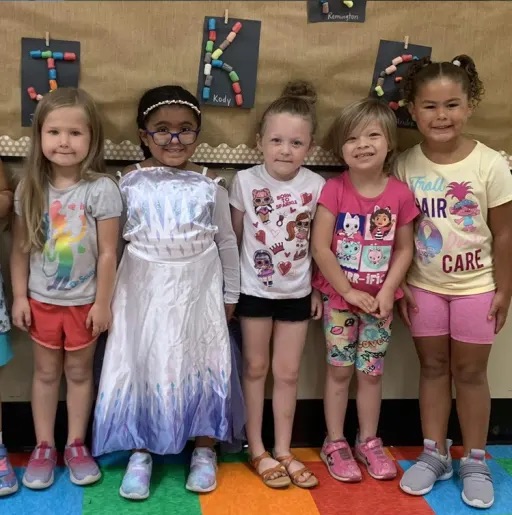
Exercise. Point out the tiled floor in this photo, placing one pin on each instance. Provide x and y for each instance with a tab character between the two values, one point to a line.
240	492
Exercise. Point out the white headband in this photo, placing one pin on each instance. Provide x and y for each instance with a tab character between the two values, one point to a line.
456	62
170	102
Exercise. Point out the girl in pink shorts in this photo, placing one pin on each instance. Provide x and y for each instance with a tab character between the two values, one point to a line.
460	280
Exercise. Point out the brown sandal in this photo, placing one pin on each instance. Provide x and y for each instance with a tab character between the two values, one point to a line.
286	461
281	481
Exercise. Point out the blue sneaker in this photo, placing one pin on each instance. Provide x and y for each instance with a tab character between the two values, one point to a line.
137	477
203	471
8	480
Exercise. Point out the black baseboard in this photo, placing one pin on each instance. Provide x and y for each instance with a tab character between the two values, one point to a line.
399	424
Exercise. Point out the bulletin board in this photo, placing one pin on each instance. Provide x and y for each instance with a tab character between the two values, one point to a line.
128	47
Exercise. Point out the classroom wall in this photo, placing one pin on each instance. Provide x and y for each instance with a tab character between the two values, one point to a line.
400	378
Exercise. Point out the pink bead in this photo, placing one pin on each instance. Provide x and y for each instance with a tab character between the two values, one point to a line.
69	56
237	27
406	58
394	105
390	69
231	36
239	100
236	87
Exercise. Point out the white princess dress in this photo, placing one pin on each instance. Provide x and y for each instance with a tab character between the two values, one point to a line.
167	365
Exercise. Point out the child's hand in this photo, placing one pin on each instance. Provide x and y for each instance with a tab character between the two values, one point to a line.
362	300
99	318
316	305
385	299
499	310
21	316
406	303
230	311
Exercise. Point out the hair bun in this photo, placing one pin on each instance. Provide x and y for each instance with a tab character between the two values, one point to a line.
466	62
300	89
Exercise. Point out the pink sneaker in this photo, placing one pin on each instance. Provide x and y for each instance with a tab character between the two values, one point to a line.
82	468
339	461
378	463
39	473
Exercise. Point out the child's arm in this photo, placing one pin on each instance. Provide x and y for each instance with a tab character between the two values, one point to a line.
19	277
501	228
237	219
226	242
321	239
100	316
403	250
6	195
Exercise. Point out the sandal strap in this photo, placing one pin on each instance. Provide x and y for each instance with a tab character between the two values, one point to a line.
257	460
285	460
265	474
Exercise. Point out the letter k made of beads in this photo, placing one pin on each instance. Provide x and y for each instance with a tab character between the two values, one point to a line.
212	60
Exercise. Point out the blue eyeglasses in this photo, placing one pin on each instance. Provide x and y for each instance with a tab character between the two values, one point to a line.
164	137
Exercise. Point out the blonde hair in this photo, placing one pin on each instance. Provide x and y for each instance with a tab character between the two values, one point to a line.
34	185
298	99
360	114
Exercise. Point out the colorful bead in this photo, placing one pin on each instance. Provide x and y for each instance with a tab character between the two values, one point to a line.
390	69
349	3
207	69
206	93
50	62
208	57
397	60
239	100
209	46
416	58
224	44
398	79
402	102
53	85
212	35
380	81
231	37
32	93
211	24
379	91
382	74
406	58
52	73
208	81
217	63
227	68
217	53
394	105
69	56
237	27
35	54
58	56
325	8
236	87
234	76
46	54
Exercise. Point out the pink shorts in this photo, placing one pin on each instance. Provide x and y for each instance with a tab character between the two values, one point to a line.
463	317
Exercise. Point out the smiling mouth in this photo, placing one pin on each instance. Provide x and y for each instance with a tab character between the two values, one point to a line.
366	154
442	127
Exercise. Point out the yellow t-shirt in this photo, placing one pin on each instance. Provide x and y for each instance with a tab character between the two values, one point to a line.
453	241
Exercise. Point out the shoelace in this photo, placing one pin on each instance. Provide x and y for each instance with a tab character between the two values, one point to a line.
433	463
480	470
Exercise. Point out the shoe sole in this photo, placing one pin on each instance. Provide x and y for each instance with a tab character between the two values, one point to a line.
38	485
425	491
9	490
323	457
201	490
362	459
133	497
476	503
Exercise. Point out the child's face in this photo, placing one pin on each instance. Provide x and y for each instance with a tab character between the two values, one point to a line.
66	137
366	148
285	143
175	119
441	110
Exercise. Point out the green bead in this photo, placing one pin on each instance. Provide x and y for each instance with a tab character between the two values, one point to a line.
209	46
234	76
46	54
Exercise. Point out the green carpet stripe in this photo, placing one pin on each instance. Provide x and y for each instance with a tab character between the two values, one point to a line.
168	494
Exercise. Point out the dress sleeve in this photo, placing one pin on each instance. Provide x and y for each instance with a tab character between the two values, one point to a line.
228	248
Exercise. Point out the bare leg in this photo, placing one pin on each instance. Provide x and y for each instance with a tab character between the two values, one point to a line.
80	387
337	382
289	340
369	396
435	388
469	370
48	365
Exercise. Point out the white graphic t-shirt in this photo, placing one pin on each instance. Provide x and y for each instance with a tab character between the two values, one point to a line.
453	240
275	259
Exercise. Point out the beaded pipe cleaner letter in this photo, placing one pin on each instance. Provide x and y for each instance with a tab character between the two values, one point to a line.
211	60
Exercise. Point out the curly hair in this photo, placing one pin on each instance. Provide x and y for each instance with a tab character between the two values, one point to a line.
460	69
